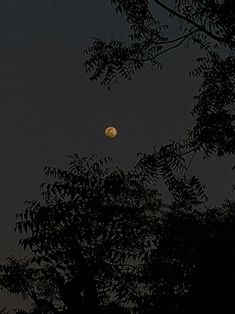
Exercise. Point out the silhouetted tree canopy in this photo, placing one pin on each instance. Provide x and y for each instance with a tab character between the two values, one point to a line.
206	25
85	237
101	240
192	268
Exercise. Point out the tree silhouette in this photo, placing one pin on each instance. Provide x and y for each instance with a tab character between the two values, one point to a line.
85	237
207	25
191	268
103	239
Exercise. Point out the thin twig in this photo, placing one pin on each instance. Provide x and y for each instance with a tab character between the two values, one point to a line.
190	162
166	50
199	27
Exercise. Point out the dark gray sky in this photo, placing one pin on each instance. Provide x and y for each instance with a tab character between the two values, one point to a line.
50	109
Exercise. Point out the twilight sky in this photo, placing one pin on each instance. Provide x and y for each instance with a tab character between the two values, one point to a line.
50	109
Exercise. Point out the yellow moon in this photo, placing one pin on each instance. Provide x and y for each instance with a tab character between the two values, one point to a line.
110	132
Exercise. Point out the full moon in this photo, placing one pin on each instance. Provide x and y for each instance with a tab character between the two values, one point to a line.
110	132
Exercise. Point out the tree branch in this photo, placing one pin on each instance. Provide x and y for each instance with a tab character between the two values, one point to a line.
177	39
170	48
191	150
198	26
190	162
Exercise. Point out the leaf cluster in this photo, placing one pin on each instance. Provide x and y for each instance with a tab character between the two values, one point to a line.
214	129
89	223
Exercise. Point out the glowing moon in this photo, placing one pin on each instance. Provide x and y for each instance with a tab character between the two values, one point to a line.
110	132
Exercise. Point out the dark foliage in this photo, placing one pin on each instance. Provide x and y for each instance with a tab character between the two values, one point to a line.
192	268
103	240
207	25
85	237
214	130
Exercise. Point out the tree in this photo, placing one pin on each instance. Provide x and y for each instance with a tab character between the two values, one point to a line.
207	25
85	237
186	265
191	269
101	239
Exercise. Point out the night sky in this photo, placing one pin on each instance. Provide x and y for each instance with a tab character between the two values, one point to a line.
50	109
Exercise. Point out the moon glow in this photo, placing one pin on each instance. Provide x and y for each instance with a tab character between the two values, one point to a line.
110	132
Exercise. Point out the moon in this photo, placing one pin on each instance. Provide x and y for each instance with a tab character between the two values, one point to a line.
110	132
